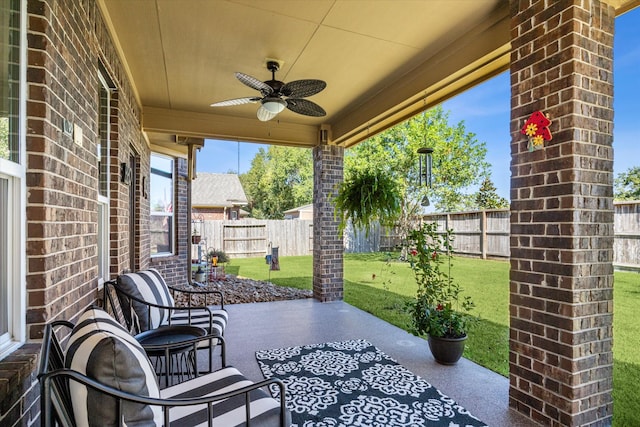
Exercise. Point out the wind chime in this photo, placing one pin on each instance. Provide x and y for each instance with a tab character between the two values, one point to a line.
425	163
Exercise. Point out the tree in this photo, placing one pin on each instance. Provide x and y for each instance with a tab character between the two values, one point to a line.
458	160
487	196
627	185
458	163
280	178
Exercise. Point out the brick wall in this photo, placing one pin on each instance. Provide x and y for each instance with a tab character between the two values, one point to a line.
328	247
66	42
562	213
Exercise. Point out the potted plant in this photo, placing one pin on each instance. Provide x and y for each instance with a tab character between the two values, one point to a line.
367	196
439	310
195	237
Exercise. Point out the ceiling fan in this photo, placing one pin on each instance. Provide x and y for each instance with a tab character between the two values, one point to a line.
277	95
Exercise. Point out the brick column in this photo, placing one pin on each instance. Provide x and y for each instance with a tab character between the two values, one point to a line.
561	280
328	248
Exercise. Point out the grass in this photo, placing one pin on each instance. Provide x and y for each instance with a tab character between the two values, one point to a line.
378	284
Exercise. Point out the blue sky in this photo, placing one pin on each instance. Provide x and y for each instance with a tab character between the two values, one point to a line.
485	112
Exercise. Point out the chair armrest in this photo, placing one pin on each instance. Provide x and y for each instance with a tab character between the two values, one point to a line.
191	293
130	323
48	379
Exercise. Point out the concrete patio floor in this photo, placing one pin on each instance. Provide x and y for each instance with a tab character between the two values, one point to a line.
262	326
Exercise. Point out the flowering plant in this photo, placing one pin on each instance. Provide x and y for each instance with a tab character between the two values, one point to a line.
436	311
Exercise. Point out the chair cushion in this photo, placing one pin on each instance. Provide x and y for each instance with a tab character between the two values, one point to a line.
103	350
200	317
149	286
265	410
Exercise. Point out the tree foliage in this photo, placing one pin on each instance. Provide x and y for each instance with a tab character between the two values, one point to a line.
4	138
458	161
627	184
487	196
280	178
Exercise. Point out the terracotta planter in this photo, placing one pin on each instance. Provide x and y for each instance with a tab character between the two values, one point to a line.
195	239
447	351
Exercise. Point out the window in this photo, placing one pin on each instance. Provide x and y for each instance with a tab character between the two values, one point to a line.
161	218
104	119
12	173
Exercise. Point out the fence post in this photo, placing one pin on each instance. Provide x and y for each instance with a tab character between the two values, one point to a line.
483	234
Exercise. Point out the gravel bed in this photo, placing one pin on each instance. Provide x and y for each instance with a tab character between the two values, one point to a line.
238	290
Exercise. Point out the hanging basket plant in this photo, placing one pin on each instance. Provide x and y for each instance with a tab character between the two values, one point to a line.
365	197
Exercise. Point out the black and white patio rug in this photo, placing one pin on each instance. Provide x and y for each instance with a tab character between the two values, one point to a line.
352	383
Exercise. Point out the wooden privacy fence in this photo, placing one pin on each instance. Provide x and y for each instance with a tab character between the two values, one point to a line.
252	237
626	228
484	234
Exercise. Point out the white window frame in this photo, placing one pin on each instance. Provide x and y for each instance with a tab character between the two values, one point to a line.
103	201
172	232
13	249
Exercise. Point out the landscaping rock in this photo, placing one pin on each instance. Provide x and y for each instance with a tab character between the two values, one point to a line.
239	290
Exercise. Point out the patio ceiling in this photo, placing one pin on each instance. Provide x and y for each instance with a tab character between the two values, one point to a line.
384	61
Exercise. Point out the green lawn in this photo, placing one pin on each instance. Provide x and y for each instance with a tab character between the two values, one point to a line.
382	288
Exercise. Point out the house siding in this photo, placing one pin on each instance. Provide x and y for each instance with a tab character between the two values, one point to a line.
214	213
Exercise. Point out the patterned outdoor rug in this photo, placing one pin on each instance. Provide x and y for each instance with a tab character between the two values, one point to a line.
352	383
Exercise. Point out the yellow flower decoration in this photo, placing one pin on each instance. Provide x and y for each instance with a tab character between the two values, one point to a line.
532	128
537	140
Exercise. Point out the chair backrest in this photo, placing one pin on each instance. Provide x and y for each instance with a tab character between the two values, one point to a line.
100	348
146	287
55	398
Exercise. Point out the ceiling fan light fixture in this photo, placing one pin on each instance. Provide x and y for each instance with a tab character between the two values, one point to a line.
270	108
274	105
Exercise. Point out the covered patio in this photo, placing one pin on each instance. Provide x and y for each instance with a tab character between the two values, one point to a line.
262	326
100	88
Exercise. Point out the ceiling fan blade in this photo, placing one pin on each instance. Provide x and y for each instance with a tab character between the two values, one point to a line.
303	88
306	107
254	83
265	115
237	101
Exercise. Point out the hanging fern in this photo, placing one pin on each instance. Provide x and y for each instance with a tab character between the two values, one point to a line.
367	196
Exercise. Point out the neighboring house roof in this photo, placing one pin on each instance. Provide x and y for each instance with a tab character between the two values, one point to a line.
302	208
217	190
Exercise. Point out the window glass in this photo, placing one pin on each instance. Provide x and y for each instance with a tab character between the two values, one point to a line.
12	286
103	140
9	79
4	214
161	219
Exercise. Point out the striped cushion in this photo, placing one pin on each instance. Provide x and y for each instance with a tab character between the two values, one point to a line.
149	286
101	349
265	411
200	318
